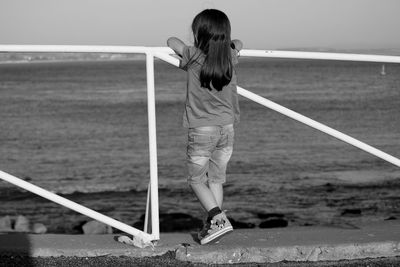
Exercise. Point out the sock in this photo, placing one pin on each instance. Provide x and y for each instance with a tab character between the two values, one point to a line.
212	212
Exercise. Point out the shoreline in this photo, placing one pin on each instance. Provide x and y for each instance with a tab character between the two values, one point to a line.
182	223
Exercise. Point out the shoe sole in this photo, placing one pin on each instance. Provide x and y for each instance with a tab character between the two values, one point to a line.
216	236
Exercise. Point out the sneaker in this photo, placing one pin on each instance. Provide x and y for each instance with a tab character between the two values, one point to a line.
204	230
215	229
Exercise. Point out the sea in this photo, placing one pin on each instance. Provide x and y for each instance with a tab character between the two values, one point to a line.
79	129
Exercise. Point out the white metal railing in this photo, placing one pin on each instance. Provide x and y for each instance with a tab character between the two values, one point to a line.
164	54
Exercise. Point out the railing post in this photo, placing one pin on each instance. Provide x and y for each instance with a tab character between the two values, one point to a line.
147	216
151	109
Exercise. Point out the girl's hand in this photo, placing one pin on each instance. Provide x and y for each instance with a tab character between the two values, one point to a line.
176	44
238	45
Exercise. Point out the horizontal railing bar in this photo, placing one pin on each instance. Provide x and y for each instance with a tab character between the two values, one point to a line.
244	52
301	118
83	49
167	58
320	56
75	206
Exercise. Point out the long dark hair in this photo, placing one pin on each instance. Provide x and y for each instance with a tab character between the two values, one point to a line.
212	33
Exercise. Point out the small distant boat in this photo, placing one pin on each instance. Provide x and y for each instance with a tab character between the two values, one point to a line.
383	70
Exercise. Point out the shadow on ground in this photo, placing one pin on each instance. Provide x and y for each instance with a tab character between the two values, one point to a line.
14	246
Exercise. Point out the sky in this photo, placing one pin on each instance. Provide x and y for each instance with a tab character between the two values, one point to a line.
260	24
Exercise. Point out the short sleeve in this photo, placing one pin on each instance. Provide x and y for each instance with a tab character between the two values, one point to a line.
185	58
235	56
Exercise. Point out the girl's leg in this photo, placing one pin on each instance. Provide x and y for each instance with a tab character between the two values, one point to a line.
218	163
201	144
205	196
218	192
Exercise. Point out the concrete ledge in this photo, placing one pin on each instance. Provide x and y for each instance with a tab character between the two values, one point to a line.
56	245
257	245
300	244
296	253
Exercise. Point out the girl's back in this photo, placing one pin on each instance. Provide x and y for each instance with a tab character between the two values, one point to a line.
204	106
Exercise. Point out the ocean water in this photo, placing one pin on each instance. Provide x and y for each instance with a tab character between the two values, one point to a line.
80	129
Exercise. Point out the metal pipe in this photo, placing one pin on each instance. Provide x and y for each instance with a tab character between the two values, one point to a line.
167	58
319	126
151	109
82	49
147	214
244	52
75	206
319	55
301	118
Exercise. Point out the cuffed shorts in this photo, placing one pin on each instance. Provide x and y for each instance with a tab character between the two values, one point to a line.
208	152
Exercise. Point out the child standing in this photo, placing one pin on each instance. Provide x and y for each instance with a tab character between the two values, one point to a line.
211	110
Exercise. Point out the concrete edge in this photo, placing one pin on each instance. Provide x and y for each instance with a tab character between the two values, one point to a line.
136	253
321	252
297	244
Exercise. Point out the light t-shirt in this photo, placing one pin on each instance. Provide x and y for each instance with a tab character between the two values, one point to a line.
204	107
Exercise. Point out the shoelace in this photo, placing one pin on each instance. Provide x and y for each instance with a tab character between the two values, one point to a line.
218	224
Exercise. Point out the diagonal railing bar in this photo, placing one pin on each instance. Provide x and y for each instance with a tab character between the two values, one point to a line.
301	118
319	126
75	206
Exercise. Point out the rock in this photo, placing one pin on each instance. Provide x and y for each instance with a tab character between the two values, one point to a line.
391	218
5	224
138	225
22	224
179	222
274	222
240	225
77	229
270	215
96	228
351	212
27	178
329	187
174	222
39	228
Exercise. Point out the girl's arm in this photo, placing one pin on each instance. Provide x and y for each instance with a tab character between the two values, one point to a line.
238	45
176	44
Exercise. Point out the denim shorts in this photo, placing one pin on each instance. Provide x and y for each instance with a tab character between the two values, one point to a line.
208	152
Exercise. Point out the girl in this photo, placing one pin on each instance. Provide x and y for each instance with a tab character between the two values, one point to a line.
211	110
